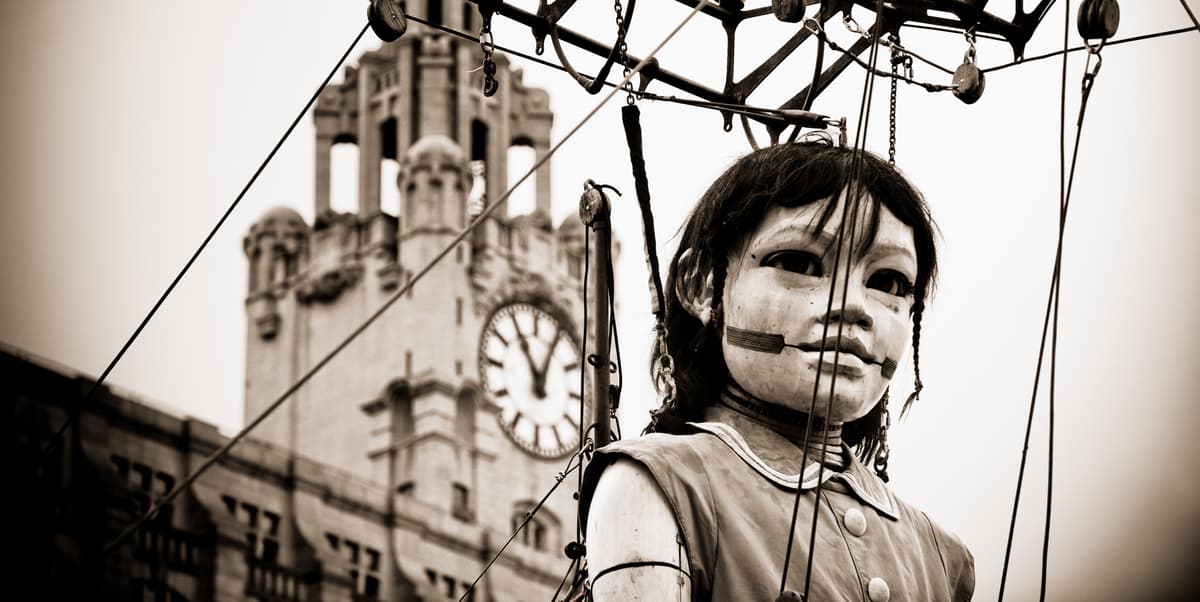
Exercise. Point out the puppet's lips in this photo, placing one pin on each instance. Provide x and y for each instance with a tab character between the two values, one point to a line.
846	347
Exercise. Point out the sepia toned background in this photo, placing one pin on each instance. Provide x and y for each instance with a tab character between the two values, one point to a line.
129	126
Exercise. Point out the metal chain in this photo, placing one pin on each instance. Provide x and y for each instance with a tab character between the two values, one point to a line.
899	57
488	46
622	51
853	27
884	453
664	369
969	57
892	111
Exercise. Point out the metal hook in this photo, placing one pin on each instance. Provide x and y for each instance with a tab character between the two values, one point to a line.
1090	71
852	26
813	26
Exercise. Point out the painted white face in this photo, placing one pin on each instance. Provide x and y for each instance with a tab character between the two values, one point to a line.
779	281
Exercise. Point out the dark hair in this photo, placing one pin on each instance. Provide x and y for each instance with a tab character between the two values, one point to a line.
791	175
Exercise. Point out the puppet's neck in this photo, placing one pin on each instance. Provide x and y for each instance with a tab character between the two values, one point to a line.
824	440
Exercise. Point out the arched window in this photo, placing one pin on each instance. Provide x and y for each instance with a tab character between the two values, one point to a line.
541	532
389	168
479	140
521	158
343	175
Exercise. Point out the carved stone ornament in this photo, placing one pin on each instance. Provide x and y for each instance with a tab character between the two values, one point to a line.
519	287
267	325
389	276
330	217
328	286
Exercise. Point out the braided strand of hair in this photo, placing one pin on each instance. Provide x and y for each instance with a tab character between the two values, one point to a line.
720	269
918	310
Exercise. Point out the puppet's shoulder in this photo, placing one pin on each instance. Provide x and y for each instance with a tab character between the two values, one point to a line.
676	463
680	451
956	557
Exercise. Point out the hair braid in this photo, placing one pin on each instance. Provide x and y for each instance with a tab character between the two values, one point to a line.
719	258
918	310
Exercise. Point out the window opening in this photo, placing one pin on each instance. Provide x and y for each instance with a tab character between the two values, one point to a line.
272	522
434	13
520	159
343	177
479	132
389	168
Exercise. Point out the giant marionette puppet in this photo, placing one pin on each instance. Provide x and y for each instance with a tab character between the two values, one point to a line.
803	270
799	283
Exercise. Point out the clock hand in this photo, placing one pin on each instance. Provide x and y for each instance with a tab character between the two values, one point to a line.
546	361
537	376
537	385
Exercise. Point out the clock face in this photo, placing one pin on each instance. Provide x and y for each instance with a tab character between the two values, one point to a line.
529	363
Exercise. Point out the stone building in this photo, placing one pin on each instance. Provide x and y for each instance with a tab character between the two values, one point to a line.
404	464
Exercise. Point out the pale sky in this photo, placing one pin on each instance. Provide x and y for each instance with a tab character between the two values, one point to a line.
130	126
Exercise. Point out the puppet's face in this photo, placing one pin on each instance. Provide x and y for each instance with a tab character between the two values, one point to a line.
779	281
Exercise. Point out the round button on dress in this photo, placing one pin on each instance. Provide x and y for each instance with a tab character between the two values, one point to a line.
878	590
855	521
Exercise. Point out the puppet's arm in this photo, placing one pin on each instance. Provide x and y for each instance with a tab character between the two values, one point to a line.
634	550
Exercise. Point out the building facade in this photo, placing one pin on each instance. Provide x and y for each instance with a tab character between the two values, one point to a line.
404	464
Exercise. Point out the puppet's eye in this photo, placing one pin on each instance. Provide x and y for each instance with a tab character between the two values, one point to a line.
800	262
890	282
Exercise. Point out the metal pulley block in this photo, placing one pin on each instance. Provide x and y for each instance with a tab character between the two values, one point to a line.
788	11
968	82
1098	19
387	19
593	206
968	79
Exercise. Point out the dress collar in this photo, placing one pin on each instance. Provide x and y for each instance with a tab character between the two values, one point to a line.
864	485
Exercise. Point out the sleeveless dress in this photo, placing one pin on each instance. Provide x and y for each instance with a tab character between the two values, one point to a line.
734	512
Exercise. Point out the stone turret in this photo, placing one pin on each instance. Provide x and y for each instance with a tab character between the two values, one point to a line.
276	248
434	178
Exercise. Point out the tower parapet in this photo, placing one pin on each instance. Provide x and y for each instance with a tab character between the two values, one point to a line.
422	85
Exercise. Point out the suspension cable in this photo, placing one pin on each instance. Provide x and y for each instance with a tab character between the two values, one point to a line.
852	206
615	345
487	211
929	62
849	218
1050	322
1056	291
952	31
566	575
1148	36
818	66
871	68
587	268
1191	15
57	438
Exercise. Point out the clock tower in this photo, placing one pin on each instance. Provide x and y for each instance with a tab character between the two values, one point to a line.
461	403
